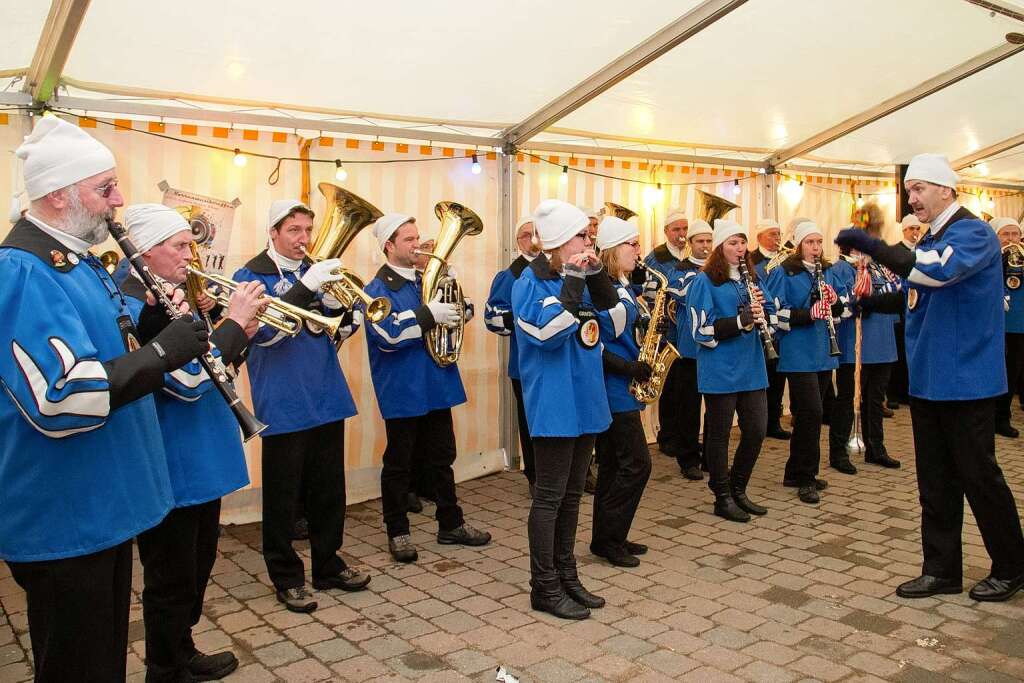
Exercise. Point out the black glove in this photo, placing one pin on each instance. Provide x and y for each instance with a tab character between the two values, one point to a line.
602	292
855	238
152	319
837	309
746	317
800	317
639	370
181	341
638	276
571	294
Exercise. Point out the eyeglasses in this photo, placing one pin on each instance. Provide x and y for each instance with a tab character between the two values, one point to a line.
583	234
635	244
106	190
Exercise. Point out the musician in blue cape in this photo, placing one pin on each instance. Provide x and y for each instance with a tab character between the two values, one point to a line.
1009	233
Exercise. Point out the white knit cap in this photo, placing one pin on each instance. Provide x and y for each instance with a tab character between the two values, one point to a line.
612	232
58	154
724	229
932	168
281	208
150	224
766	224
523	221
590	213
673	216
804	230
698	227
557	222
909	220
1001	223
388	224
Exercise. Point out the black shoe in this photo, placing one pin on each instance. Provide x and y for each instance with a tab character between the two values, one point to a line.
693	473
300	530
892	405
575	590
726	508
809	494
1007	430
212	667
844	465
883	460
992	589
463	535
636	548
616	556
297	600
819	484
887	411
926	586
402	549
561	606
347	579
413	503
777	432
746	504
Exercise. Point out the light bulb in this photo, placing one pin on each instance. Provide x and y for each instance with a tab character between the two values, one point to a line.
860	201
564	178
735	188
240	159
340	173
476	166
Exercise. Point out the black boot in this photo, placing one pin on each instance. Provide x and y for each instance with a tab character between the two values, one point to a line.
574	589
747	505
554	600
1004	428
727	508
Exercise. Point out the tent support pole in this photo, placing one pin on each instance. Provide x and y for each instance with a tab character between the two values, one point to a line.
507	204
769	186
54	46
990	151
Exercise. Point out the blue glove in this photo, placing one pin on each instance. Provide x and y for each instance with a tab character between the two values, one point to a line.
855	238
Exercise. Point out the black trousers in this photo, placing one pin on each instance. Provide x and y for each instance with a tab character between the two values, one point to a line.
561	464
687	439
177	557
955	450
525	442
429	438
78	615
874	378
776	387
1014	368
899	380
309	465
828	400
753	421
806	390
623	468
670	410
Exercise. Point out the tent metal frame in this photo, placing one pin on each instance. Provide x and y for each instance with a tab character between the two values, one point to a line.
988	152
54	46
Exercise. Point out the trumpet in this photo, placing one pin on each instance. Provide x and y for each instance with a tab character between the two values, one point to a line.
279	315
351	288
1014	254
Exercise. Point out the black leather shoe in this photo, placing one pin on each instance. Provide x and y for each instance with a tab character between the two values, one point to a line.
883	460
926	586
726	508
297	600
746	504
402	549
819	484
892	405
347	579
844	465
463	535
693	473
809	494
887	411
777	432
413	503
617	556
1007	430
575	590
636	548
997	590
562	606
212	667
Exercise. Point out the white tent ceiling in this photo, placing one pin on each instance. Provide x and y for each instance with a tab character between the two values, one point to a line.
768	75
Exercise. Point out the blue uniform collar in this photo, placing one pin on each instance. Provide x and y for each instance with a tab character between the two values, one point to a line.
961	214
541	268
262	264
519	265
393	280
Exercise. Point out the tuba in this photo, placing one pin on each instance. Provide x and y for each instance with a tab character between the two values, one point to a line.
618	210
1013	253
457	221
347	214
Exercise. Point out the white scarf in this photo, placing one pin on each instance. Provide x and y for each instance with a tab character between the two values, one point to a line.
70	241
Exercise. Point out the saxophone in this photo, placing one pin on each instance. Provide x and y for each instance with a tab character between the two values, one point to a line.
652	352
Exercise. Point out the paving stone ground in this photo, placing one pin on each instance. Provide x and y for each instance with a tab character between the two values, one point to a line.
805	593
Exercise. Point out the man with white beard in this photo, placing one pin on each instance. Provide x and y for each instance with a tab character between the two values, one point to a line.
82	465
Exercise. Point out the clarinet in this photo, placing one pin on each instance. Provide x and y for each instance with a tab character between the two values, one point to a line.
248	423
819	277
762	325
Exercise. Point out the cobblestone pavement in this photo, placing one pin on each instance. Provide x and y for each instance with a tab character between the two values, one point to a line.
805	593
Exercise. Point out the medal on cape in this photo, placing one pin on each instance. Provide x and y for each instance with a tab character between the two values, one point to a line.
1013	282
911	299
589	332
